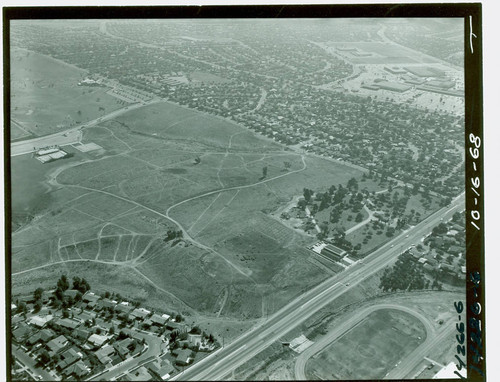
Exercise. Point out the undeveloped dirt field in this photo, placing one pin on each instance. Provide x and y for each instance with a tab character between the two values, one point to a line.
46	97
111	210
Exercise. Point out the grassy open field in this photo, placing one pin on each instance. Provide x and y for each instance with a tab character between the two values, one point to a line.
380	341
46	98
31	193
112	209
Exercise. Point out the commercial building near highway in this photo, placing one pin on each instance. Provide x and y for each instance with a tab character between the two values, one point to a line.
50	153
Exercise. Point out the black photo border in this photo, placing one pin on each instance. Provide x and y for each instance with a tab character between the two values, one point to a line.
471	13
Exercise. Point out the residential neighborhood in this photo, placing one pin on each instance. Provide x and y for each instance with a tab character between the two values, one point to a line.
251	198
71	335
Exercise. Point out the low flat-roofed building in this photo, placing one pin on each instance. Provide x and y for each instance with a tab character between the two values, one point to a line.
90	297
97	340
194	339
68	357
393	86
77	370
156	319
425	71
183	357
333	252
22	332
42	336
428	267
140	374
370	87
57	344
68	323
81	333
140	313
47	150
104	354
40	321
124	308
161	369
44	158
451	92
85	316
177	326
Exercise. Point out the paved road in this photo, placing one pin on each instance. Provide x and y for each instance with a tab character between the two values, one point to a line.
364	222
26	360
154	350
69	136
218	365
356	318
417	356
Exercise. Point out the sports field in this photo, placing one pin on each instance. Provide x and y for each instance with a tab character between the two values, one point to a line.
369	350
164	167
46	97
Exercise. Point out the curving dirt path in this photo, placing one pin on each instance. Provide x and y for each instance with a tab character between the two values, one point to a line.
54	183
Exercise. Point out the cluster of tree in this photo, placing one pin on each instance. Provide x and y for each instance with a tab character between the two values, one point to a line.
439	230
352	184
405	275
398	203
340	241
195	330
333	197
458	217
264	172
308	194
37	299
175	337
60	299
21	308
115	296
81	285
173	234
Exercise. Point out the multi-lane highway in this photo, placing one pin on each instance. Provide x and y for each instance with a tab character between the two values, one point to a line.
69	136
221	363
416	357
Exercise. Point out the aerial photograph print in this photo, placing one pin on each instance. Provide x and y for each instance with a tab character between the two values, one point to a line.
237	198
